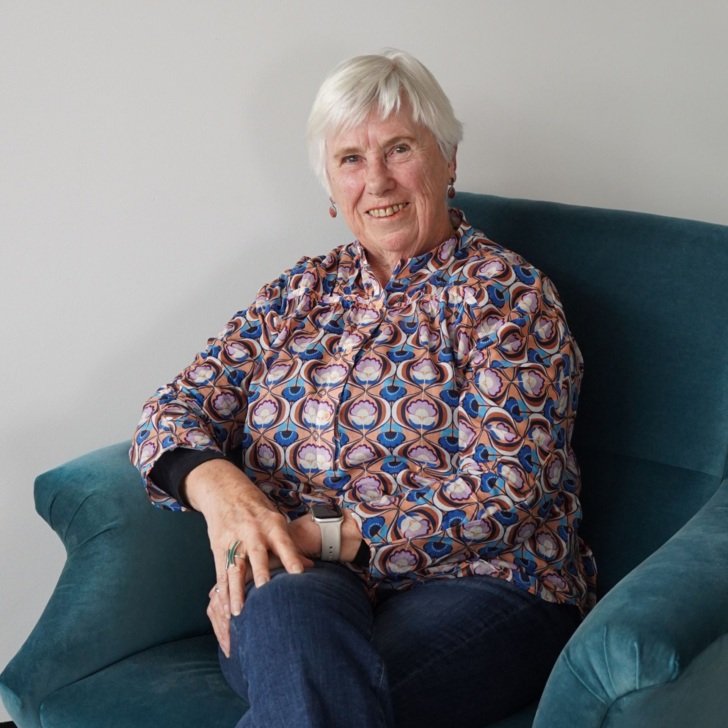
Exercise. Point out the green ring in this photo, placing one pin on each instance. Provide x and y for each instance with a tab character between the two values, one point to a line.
231	554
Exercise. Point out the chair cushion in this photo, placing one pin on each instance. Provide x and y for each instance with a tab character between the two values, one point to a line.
632	506
521	719
177	684
645	297
182	677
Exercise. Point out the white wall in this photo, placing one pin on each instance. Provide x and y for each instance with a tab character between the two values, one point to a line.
153	175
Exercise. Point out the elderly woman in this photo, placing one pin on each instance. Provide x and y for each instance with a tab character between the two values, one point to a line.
381	445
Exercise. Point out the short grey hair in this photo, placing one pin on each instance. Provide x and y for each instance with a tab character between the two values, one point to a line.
359	85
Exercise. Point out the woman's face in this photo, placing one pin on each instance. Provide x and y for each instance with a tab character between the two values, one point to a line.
389	179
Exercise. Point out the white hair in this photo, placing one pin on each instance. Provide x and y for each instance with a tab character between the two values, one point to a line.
357	86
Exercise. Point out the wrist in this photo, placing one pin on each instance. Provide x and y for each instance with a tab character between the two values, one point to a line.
329	518
308	534
213	483
350	538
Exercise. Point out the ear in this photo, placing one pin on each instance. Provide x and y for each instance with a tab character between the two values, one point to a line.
452	165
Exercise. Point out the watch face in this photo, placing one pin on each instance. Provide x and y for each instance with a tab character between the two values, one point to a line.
323	510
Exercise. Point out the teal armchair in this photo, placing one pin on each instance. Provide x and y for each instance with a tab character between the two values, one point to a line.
124	641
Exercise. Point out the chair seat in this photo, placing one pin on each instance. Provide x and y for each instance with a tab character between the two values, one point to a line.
177	684
522	719
184	674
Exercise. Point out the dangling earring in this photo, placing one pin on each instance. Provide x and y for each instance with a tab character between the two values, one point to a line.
332	208
451	188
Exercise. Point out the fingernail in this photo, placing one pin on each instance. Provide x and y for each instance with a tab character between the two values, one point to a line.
298	569
236	614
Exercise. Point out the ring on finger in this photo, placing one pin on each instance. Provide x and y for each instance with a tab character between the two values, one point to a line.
232	555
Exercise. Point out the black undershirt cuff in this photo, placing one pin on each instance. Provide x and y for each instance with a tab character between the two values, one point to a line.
362	555
170	471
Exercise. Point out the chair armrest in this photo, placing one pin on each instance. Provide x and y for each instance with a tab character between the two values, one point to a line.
134	577
668	616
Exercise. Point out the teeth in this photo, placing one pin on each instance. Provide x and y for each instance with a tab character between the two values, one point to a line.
386	211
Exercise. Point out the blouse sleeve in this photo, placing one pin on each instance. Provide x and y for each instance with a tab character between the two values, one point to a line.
511	502
204	407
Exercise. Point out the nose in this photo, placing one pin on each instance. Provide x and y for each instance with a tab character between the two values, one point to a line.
379	180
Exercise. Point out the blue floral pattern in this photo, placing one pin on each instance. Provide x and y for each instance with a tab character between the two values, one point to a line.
438	409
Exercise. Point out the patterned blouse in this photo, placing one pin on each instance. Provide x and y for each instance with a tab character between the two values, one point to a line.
438	410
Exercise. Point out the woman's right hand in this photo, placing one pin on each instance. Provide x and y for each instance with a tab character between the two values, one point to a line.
236	510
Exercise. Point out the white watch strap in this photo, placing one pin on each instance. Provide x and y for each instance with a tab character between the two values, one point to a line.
330	539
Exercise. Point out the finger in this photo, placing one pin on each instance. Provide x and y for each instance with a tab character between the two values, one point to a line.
220	625
216	614
216	595
220	585
292	559
236	584
259	558
222	590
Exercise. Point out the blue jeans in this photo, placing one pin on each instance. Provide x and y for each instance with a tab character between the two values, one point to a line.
310	650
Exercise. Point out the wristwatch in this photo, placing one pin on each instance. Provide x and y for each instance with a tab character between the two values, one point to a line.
329	518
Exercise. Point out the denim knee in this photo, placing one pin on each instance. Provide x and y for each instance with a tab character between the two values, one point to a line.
303	637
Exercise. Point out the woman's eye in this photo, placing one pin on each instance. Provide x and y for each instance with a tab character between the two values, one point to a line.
350	159
399	152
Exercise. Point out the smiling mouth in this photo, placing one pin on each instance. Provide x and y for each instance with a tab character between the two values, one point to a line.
387	211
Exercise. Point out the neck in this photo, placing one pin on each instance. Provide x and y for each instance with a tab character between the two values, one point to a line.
383	263
383	270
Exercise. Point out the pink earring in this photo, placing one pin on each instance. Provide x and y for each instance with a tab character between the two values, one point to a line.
332	208
451	188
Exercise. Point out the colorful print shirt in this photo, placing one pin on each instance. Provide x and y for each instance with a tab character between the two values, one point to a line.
437	409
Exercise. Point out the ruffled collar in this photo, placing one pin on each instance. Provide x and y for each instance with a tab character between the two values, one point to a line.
415	270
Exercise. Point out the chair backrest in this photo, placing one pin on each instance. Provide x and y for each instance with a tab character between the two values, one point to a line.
647	299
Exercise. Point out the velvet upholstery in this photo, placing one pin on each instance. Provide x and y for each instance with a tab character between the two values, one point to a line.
124	640
183	674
